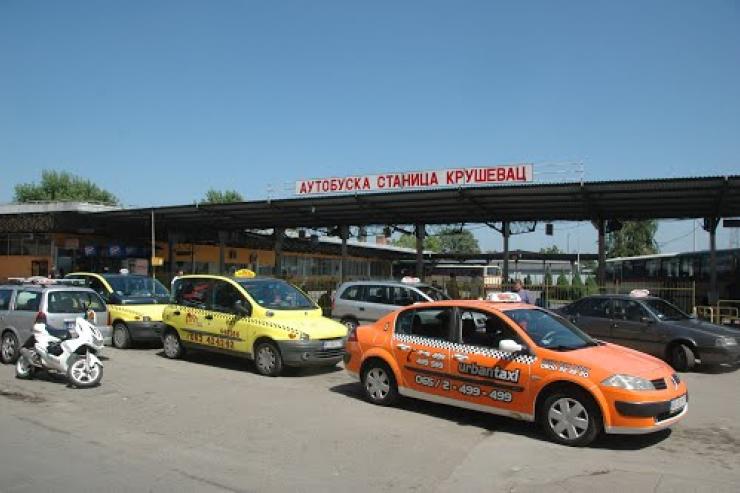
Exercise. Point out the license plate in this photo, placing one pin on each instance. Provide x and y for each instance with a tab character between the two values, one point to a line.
333	344
678	403
69	324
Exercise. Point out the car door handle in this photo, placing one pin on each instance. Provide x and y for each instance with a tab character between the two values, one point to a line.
615	325
209	317
362	309
460	357
176	312
403	347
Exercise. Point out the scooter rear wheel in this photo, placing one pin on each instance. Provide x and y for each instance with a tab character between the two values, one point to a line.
80	376
24	369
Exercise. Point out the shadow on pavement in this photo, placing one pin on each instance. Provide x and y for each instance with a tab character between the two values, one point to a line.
228	362
491	424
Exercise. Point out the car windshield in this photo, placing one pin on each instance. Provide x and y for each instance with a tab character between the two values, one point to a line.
665	311
434	293
136	286
276	294
550	331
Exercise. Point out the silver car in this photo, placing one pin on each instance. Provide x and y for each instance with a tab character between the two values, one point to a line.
58	305
359	302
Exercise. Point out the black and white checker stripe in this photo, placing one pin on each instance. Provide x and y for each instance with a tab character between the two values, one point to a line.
466	349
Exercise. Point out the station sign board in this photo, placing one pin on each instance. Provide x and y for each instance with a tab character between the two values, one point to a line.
411	180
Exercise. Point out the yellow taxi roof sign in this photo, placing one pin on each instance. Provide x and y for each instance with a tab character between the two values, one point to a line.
244	273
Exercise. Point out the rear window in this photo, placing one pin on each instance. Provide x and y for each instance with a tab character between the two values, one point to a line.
74	302
28	301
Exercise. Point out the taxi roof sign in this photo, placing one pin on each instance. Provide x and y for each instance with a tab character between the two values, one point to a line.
245	273
410	280
504	297
639	293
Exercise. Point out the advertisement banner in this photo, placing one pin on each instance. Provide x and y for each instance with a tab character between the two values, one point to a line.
411	180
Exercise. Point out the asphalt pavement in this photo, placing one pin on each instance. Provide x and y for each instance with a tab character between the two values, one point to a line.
209	423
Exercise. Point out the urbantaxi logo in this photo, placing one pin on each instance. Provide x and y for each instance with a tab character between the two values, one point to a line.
453	177
495	372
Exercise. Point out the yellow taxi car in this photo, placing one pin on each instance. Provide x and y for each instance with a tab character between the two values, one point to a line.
135	304
267	320
517	360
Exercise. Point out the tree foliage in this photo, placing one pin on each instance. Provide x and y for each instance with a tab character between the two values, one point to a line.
553	249
447	239
635	238
61	186
221	197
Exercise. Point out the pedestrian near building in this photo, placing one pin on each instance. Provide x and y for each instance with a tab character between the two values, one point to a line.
453	291
477	291
525	295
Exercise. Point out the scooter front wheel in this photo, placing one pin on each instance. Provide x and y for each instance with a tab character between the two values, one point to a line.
82	376
24	369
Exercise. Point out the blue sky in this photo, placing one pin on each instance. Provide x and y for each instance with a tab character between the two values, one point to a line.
158	101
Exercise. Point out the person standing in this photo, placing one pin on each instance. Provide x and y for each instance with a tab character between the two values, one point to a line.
453	291
523	293
476	287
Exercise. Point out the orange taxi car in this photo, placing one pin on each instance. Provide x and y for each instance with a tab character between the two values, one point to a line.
513	359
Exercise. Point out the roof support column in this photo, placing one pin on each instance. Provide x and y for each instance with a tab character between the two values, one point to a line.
710	226
222	236
343	234
601	272
278	239
420	232
505	270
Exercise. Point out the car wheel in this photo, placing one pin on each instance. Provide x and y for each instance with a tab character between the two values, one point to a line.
121	336
24	369
681	357
570	418
379	383
172	346
9	348
267	359
350	323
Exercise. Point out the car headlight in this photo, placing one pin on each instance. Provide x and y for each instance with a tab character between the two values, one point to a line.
304	336
628	382
725	341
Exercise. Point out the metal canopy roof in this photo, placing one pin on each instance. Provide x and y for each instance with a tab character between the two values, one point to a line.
675	198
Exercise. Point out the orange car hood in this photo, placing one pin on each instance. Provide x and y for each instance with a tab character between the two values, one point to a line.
616	359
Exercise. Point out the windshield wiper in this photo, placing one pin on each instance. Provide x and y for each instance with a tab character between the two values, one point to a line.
564	348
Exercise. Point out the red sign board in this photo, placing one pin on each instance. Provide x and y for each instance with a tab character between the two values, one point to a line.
410	180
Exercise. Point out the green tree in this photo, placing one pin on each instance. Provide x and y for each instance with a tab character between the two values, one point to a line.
551	249
577	284
214	196
61	186
562	280
445	240
548	278
591	286
635	238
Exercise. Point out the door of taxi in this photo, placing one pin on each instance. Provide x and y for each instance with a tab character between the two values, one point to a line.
484	375
190	315
421	346
229	329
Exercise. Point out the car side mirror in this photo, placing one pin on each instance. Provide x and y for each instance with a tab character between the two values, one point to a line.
241	309
113	299
509	346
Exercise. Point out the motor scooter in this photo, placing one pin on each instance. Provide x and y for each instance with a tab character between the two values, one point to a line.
73	353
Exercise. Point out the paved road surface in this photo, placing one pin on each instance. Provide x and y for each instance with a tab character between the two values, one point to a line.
207	424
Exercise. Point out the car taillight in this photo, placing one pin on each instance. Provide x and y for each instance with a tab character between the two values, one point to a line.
40	318
352	336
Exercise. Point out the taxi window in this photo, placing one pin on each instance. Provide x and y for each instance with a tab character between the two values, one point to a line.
594	307
225	296
628	310
484	329
433	323
550	331
193	292
352	293
377	294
